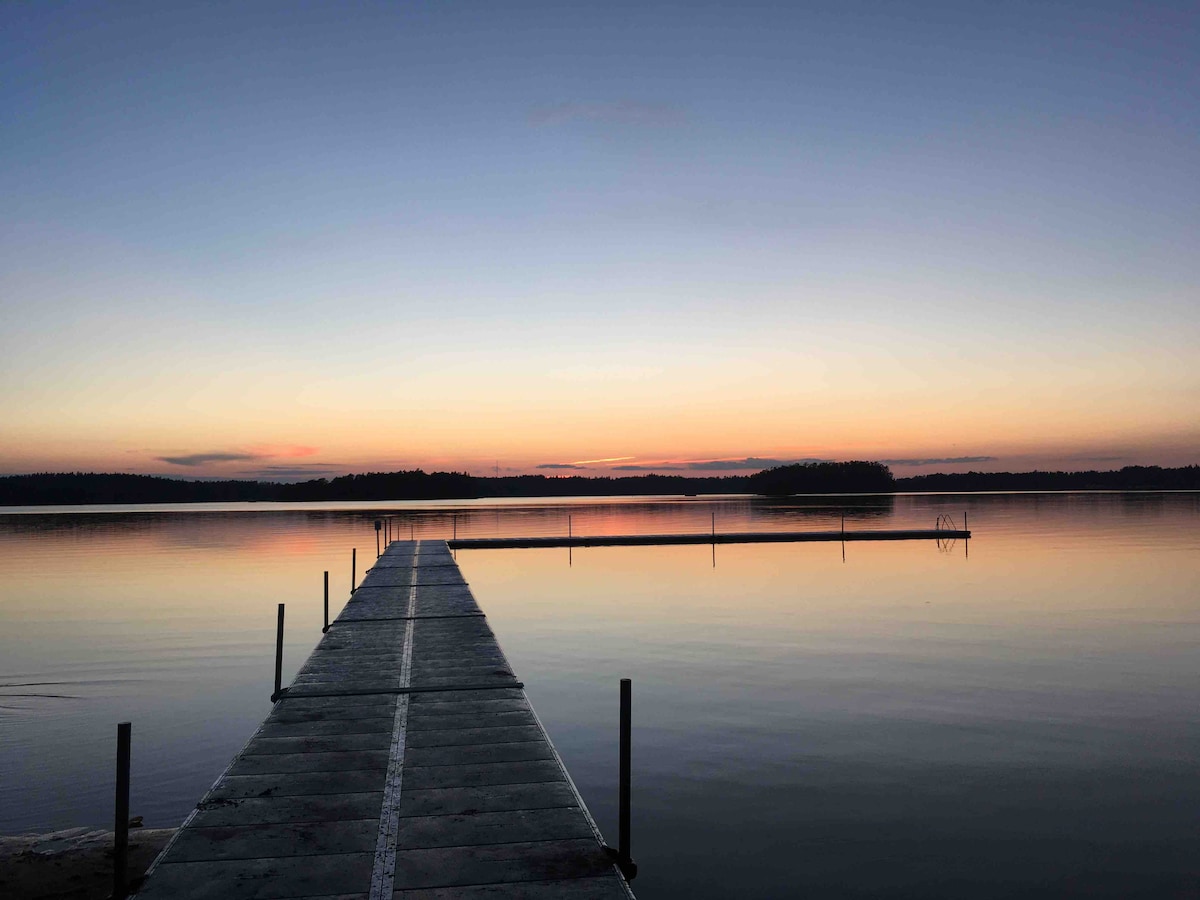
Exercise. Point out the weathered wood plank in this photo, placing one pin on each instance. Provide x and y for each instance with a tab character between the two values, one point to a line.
433	704
498	863
256	841
479	736
573	889
303	727
295	785
480	774
466	754
281	810
469	829
491	798
466	696
260	879
318	743
290	763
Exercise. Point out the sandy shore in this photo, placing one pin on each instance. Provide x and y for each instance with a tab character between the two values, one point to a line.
75	864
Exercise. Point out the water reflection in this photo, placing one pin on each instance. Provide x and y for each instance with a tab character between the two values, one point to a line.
857	720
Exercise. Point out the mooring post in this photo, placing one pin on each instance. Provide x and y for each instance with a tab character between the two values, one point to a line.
121	817
378	526
353	567
714	527
278	656
964	520
624	857
456	527
569	533
325	627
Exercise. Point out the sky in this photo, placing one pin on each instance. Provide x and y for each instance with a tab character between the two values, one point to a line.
292	240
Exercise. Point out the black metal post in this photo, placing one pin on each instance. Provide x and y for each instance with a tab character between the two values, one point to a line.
278	656
325	627
353	567
623	798
121	817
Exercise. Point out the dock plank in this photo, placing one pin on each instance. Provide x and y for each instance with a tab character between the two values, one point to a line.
403	761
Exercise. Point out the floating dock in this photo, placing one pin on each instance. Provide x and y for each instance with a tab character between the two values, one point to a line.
404	761
728	537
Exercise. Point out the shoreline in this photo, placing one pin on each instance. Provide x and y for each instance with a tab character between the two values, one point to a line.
72	864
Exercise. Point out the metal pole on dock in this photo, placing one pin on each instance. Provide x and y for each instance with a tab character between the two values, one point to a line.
353	567
325	627
278	656
121	817
623	788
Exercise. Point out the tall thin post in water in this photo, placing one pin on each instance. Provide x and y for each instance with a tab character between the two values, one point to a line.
568	527
353	567
325	627
278	656
623	787
714	527
456	527
121	816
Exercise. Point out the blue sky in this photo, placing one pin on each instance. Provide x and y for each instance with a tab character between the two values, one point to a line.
674	232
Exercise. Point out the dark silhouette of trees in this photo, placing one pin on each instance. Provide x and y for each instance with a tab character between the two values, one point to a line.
856	477
1130	478
78	488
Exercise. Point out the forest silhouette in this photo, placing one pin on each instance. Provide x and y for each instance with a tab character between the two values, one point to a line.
854	477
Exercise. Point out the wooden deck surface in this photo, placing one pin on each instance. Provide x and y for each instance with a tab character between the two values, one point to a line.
404	761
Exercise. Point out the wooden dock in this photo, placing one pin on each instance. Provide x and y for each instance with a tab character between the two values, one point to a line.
404	761
727	537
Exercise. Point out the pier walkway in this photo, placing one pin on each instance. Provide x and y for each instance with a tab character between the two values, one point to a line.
714	537
403	762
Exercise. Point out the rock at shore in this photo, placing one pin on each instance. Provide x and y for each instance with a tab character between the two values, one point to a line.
75	864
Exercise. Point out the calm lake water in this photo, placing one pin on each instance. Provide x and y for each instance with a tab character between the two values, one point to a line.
1020	716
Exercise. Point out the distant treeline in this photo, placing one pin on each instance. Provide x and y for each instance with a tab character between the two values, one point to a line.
70	489
1130	478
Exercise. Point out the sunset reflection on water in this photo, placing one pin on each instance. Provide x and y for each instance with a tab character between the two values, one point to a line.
1016	715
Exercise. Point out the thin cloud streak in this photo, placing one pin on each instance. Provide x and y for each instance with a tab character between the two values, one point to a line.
715	465
201	459
938	460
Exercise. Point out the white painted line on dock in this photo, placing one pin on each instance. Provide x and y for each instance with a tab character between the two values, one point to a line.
383	875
